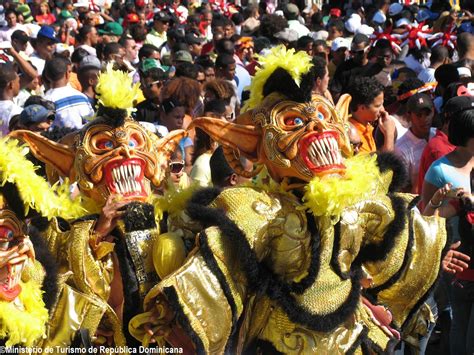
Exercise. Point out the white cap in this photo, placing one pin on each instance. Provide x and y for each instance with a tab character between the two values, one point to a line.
395	9
463	71
339	43
402	22
379	17
81	3
365	30
353	23
320	35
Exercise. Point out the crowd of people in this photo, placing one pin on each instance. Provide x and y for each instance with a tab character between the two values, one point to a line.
407	65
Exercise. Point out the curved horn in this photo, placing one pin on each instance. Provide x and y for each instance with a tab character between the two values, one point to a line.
236	164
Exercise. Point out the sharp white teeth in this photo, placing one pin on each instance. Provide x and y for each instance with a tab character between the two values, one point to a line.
135	171
326	144
130	171
319	146
139	189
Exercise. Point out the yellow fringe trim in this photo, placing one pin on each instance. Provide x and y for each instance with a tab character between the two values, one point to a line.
296	64
173	201
34	190
115	89
329	195
24	327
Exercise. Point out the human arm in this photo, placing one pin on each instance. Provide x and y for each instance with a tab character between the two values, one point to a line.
455	261
435	203
24	65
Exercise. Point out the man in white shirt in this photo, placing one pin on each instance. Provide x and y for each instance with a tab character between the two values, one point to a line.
420	111
158	35
88	39
439	56
292	13
72	107
44	46
9	88
11	17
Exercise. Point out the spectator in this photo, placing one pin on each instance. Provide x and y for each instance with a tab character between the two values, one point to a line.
465	46
420	111
339	53
322	50
383	54
12	25
36	118
321	78
335	30
225	67
292	13
72	106
195	44
9	88
88	74
203	149
222	175
152	79
87	39
131	52
148	51
367	108
45	17
158	35
44	48
439	56
439	145
111	32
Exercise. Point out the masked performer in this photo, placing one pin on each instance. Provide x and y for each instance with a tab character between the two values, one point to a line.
117	165
321	257
28	278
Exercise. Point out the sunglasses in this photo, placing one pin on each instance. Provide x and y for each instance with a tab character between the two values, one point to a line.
158	83
177	167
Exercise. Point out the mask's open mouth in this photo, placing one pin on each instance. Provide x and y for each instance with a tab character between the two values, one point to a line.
126	177
10	281
321	153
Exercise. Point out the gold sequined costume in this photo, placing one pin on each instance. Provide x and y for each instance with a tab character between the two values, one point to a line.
319	256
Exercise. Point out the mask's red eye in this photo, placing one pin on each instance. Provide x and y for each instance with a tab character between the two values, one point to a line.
293	121
105	144
6	236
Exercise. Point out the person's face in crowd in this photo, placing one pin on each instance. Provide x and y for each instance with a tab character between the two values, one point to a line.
93	37
151	88
19	46
384	57
141	19
340	55
372	111
34	84
321	52
245	54
45	48
309	48
227	72
174	119
210	74
40	126
333	33
359	52
11	20
229	31
108	38
155	55
131	50
217	33
44	8
176	166
195	49
321	85
160	26
421	122
207	18
201	79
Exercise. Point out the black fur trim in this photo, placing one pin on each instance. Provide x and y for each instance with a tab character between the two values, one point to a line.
43	255
390	161
262	280
211	262
362	337
89	217
379	251
407	257
413	202
13	199
281	81
132	302
114	117
42	223
335	252
261	347
139	216
181	318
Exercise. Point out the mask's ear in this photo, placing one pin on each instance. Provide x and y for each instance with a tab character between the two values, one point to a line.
342	107
59	156
244	138
165	147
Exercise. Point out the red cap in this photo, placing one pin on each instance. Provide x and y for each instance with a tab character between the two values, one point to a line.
335	12
140	3
132	18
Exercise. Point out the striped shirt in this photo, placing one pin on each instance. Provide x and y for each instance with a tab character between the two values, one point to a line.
72	107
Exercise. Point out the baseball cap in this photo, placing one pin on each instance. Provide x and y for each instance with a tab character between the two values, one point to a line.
419	102
287	35
457	105
132	18
365	30
353	23
112	28
150	63
47	32
20	36
339	43
90	61
26	12
35	114
192	38
395	9
183	56
161	17
292	9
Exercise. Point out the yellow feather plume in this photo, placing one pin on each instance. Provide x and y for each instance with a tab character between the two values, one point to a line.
34	190
329	195
24	327
115	89
297	64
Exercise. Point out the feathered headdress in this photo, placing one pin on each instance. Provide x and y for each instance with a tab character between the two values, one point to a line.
34	191
282	71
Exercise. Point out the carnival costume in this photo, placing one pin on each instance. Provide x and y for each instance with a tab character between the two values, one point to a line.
28	278
319	256
111	155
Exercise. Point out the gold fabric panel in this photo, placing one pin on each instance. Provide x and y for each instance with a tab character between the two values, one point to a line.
429	240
